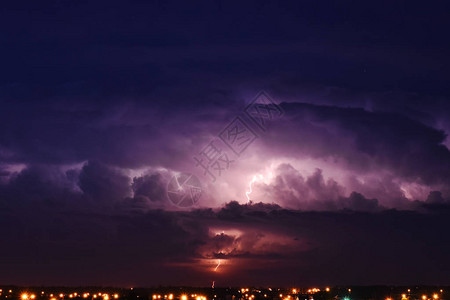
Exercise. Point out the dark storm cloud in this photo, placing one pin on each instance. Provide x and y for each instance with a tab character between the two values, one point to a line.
128	136
150	186
95	186
64	231
38	186
125	134
102	182
179	247
333	244
365	140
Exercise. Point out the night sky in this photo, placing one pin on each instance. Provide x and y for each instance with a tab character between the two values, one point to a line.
103	102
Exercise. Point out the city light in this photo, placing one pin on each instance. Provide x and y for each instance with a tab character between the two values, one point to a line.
247	294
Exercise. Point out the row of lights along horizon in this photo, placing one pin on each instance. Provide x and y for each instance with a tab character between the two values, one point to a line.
220	293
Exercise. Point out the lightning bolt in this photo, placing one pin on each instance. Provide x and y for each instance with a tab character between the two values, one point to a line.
255	177
218	264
